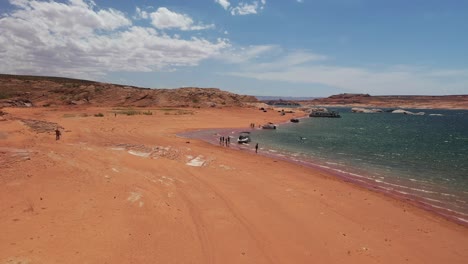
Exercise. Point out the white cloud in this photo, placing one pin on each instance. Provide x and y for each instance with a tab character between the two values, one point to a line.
224	3
242	8
245	9
77	39
141	14
314	69
246	54
163	18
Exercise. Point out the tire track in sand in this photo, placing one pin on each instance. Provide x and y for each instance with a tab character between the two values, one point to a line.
202	231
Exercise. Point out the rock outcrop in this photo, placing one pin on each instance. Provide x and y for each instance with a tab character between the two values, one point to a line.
29	91
366	110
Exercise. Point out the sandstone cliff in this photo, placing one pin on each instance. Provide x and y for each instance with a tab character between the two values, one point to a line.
28	91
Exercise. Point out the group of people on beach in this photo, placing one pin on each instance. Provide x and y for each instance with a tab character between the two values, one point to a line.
224	141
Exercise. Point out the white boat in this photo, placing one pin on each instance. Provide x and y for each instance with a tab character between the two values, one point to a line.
243	138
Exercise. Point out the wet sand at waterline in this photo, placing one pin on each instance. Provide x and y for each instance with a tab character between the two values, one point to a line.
127	189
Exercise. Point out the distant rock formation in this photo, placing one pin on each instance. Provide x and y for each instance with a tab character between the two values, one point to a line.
392	101
365	110
26	91
405	112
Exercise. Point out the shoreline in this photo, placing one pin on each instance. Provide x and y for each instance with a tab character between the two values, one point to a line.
344	175
136	192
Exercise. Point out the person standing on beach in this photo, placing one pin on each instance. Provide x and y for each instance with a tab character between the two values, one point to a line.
57	134
256	148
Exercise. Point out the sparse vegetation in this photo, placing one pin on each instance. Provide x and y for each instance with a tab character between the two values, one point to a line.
179	112
99	115
129	112
4	95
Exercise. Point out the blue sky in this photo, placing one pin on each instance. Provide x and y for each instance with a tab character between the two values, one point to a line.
256	47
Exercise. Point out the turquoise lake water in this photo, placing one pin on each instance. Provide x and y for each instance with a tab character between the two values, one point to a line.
419	158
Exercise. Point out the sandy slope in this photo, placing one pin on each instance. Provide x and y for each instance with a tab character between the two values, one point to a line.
119	190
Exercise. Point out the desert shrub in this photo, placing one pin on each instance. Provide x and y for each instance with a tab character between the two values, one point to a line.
147	112
130	112
179	112
99	115
4	95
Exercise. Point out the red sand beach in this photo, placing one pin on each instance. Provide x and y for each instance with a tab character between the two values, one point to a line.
127	189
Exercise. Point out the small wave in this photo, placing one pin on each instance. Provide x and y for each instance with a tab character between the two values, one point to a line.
406	187
448	194
449	210
432	200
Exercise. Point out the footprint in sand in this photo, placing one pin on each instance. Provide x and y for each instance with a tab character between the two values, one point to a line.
135	197
17	260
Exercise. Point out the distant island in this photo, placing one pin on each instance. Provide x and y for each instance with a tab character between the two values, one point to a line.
392	101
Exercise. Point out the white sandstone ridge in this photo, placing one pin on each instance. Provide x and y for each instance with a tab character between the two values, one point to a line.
365	110
405	112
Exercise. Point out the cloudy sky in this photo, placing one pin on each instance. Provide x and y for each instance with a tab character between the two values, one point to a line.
257	47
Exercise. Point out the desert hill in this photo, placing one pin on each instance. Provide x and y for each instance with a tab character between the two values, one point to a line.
17	90
393	101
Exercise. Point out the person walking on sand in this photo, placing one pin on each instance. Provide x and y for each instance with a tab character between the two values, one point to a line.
256	148
57	134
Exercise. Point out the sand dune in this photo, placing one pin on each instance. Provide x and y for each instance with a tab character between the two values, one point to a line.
126	189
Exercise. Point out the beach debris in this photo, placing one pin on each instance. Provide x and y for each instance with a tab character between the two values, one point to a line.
140	154
225	167
135	197
196	162
149	152
166	180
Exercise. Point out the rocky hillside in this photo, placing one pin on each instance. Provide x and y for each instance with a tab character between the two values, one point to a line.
393	101
16	90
